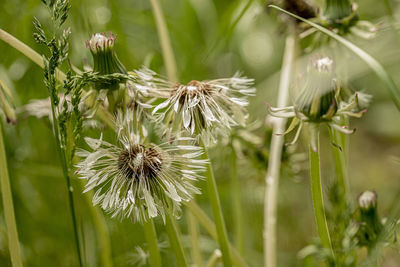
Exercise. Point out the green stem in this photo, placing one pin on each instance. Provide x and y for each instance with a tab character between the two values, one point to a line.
167	51
152	244
274	161
217	212
237	204
210	227
102	231
339	156
8	206
64	164
194	233
175	240
316	190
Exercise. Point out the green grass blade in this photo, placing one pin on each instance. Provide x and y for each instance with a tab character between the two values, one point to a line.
367	58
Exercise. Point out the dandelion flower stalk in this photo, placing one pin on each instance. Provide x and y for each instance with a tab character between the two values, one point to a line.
194	232
8	206
175	240
152	245
217	213
274	163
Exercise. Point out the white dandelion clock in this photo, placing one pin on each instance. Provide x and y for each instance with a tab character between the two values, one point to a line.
138	179
200	107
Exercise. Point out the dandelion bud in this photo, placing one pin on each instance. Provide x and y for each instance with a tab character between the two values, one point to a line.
367	200
370	224
317	101
336	10
105	59
6	104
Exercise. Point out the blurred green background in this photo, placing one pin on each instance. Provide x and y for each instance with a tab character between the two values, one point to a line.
209	42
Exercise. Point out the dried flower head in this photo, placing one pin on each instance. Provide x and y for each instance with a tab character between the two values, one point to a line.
138	179
105	60
318	101
200	107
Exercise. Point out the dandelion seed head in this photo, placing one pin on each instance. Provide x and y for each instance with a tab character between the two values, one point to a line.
138	161
139	179
201	108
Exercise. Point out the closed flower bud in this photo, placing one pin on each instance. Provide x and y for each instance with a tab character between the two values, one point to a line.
105	60
317	101
337	9
370	224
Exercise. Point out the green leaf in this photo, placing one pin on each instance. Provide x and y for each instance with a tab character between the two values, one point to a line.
367	58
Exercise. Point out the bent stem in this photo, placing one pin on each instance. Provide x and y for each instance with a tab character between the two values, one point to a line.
316	189
274	162
217	212
152	244
8	206
210	227
175	240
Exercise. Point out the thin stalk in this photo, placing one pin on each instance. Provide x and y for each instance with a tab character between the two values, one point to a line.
237	204
8	206
214	259
194	233
167	51
175	240
64	164
152	244
210	227
274	162
102	231
316	190
217	212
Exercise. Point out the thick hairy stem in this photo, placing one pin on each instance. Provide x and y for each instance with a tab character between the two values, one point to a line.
274	163
316	190
8	206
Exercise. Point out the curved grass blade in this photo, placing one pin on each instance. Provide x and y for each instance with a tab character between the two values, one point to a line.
367	58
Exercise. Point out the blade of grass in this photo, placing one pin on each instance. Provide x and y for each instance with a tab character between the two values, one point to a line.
367	58
237	203
274	162
8	206
167	51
